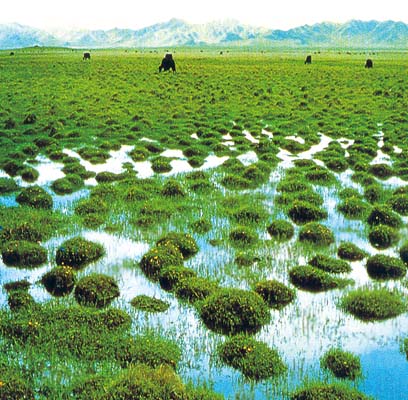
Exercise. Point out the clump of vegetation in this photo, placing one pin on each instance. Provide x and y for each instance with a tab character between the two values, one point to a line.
399	203
159	257
254	359
7	185
319	176
194	288
68	184
78	252
326	391
276	294
381	171
315	280
201	225
170	276
17	285
19	300
317	234
243	236
342	364
36	197
330	264
172	188
184	242
351	252
161	165
14	385
382	215
231	311
374	305
60	281
23	254
383	236
149	304
281	230
374	193
302	212
381	266
353	208
404	252
96	290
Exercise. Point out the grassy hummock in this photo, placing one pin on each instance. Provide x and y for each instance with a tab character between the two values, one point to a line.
383	236
149	304
231	311
315	233
374	305
329	264
301	212
170	276
184	242
381	266
382	215
328	391
20	253
254	359
342	364
60	281
36	197
349	251
281	230
276	294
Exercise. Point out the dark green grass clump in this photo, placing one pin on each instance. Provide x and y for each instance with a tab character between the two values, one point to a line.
399	203
384	267
7	185
195	288
68	184
254	359
149	304
302	212
172	189
23	254
201	226
19	300
60	281
14	385
354	208
374	305
315	280
382	215
36	197
328	391
184	242
276	294
342	364
381	171
231	311
349	251
78	252
330	264
281	230
383	236
403	252
317	234
159	257
17	285
243	236
96	290
170	276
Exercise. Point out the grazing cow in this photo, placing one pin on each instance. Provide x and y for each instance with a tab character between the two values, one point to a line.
167	63
87	56
308	60
369	63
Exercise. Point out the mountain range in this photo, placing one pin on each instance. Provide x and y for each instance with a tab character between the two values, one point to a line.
352	34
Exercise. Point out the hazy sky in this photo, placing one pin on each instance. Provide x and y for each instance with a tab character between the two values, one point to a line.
284	14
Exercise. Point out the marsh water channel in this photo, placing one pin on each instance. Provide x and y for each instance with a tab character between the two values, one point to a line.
301	332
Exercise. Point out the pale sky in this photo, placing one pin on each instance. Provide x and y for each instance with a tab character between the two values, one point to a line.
106	14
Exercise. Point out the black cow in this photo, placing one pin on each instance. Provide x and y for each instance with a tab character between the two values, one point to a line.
87	56
167	63
308	60
369	63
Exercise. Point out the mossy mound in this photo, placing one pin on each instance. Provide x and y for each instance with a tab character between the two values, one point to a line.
68	184
328	391
276	294
374	305
143	382
254	359
15	386
290	185
195	288
149	304
403	252
78	252
19	300
184	242
317	234
28	231
170	276
60	281
302	212
29	174
172	188
7	185
383	236
330	264
281	230
161	165
382	215
23	254
319	176
313	279
384	267
243	236
399	203
373	193
17	285
96	290
36	197
349	251
201	226
381	171
231	311
159	257
354	208
342	364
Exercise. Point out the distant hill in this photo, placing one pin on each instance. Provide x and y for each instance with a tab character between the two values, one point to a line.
353	34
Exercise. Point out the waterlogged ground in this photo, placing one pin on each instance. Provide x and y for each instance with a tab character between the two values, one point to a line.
258	109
